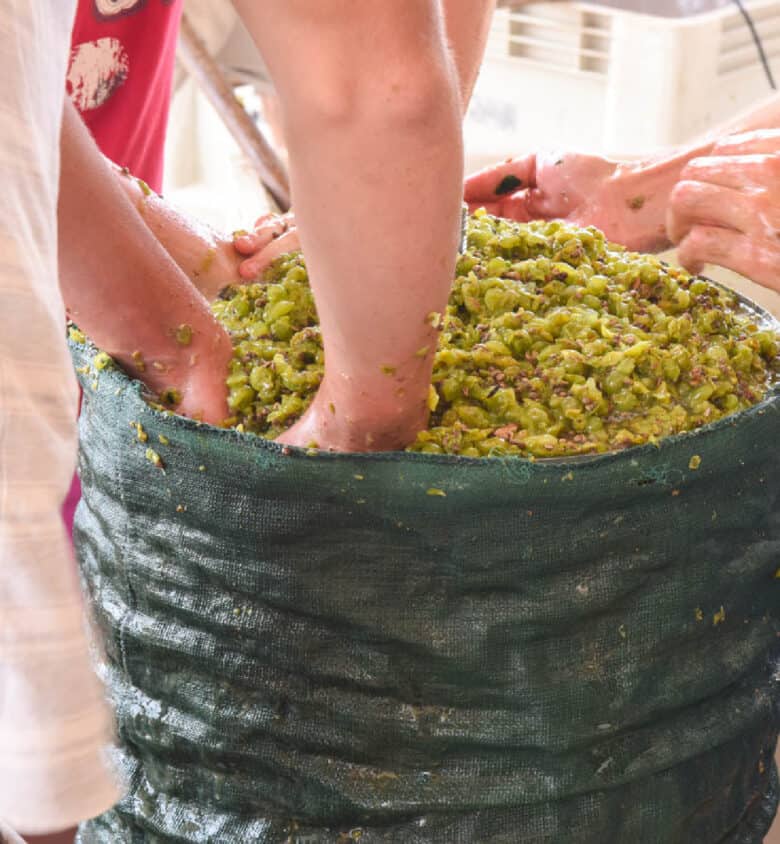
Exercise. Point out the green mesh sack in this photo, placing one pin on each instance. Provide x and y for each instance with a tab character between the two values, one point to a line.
308	647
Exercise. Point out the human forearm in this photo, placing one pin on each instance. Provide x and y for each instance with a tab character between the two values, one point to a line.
726	208
376	163
204	255
665	169
648	184
379	275
764	115
468	24
122	288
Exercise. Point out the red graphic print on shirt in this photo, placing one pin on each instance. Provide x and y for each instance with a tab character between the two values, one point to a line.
105	9
97	69
120	77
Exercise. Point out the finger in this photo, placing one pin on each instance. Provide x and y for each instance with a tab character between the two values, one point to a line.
754	258
252	267
248	244
702	203
269	227
269	215
500	180
288	218
733	171
749	143
518	207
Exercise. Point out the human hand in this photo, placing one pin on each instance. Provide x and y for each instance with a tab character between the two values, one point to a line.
625	201
726	208
273	235
183	366
204	389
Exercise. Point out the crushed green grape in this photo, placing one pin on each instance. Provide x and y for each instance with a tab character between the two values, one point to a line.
184	334
170	397
555	342
101	361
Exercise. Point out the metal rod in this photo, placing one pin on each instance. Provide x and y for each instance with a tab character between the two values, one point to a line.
197	61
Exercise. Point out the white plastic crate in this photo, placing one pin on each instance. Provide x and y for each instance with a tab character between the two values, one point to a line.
607	80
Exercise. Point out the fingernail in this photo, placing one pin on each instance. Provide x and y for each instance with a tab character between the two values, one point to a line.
509	184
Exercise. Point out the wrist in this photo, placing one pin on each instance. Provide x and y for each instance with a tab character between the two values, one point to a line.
661	172
208	258
185	366
646	187
218	268
204	387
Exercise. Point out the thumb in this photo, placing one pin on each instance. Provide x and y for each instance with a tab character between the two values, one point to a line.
251	268
501	179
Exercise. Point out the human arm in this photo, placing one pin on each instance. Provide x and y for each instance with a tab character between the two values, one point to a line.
627	200
206	256
377	98
133	303
467	24
725	209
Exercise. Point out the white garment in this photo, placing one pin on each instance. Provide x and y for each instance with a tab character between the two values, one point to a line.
8	836
54	724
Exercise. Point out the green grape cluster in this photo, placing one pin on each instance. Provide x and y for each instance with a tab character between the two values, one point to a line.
555	342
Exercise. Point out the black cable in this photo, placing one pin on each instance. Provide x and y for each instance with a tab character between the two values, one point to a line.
759	45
